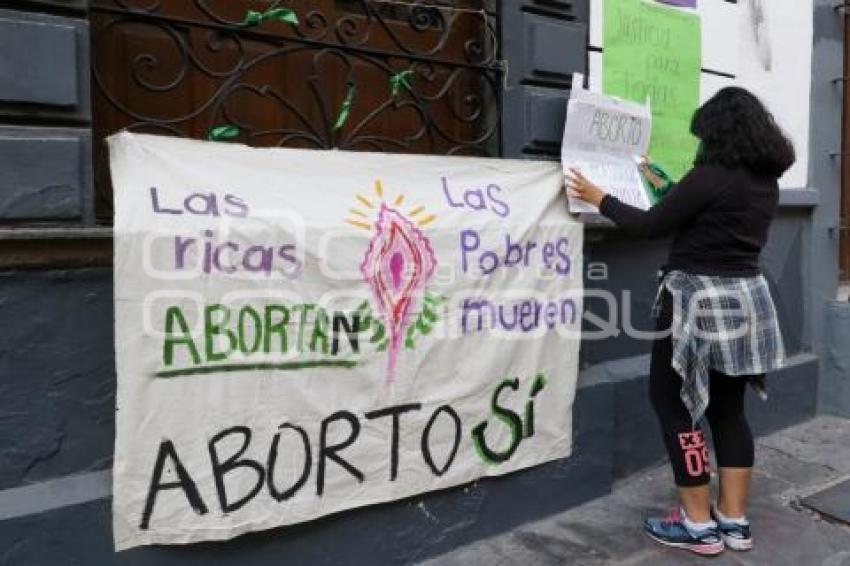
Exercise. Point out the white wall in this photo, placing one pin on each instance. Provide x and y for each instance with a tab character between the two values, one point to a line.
777	67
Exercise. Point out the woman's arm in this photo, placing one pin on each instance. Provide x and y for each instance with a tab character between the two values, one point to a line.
681	204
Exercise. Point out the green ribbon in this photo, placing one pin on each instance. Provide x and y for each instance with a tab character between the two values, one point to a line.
400	80
344	112
659	192
226	132
255	18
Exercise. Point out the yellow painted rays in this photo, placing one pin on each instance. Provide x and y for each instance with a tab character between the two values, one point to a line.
367	207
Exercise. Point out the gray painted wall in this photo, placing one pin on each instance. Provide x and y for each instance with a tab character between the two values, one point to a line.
544	43
835	385
828	321
45	112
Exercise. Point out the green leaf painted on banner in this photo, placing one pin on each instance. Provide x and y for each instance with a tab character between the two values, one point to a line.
434	300
409	341
379	334
425	321
423	326
400	80
364	312
225	132
345	111
429	315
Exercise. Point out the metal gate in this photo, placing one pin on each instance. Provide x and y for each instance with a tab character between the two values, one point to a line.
377	75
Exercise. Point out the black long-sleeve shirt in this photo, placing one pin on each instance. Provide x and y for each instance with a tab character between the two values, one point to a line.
719	218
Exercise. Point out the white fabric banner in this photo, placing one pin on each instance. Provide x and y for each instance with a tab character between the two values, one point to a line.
300	332
604	138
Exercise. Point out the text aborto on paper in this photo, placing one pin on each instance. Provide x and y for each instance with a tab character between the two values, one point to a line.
604	138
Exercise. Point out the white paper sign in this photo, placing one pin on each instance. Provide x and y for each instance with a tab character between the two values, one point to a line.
302	332
604	138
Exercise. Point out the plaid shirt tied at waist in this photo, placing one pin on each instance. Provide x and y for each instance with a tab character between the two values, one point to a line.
726	324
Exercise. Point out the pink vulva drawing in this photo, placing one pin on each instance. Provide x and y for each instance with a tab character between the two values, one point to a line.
397	265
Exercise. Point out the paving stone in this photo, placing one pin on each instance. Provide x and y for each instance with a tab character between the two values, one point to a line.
790	464
833	502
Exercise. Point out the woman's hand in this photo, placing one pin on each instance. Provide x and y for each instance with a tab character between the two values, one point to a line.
579	187
650	175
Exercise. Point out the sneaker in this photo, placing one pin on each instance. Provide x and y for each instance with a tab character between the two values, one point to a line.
736	534
671	531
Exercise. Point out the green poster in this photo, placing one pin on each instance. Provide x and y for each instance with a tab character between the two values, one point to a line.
654	51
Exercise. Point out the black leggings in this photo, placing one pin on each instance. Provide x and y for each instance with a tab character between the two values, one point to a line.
686	446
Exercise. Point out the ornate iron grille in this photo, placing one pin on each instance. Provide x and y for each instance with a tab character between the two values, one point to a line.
185	67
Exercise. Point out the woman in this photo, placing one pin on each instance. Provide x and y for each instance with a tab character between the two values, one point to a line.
716	309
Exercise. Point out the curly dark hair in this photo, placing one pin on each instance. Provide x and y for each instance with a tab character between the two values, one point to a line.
736	130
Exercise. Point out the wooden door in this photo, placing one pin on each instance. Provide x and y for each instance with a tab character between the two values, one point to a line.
183	67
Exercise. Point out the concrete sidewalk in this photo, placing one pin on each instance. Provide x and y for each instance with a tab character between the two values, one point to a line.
791	464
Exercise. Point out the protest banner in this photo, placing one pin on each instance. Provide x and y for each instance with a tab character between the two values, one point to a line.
300	332
655	52
604	138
